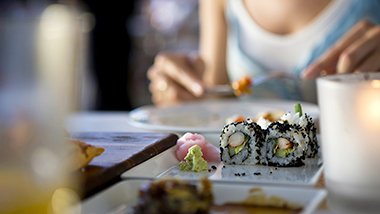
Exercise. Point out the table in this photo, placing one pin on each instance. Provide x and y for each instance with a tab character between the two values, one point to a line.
96	121
125	147
99	121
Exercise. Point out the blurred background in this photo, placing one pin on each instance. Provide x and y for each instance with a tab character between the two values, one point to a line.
121	39
125	38
58	57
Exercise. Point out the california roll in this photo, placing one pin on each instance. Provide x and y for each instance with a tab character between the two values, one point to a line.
285	145
240	143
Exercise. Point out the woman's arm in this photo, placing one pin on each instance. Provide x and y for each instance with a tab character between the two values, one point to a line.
213	39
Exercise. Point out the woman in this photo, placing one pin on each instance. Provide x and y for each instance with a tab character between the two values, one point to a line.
306	38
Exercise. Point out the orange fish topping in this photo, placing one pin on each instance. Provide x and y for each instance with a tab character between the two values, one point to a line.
242	86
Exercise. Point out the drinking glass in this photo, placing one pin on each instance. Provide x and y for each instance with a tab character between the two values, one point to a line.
38	64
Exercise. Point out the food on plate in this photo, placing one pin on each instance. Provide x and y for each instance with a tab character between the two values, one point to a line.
210	152
240	143
193	160
258	197
245	209
242	86
82	153
271	116
235	118
182	197
264	116
307	123
285	145
175	196
286	142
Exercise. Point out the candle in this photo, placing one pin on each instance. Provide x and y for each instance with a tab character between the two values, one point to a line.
350	129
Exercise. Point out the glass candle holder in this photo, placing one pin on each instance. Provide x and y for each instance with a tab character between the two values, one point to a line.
350	129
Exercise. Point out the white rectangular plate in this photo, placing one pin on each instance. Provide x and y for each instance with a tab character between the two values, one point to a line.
165	165
121	197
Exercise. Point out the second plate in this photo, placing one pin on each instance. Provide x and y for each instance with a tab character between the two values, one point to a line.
207	116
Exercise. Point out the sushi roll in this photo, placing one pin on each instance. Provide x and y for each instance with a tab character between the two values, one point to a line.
313	146
240	143
306	122
285	145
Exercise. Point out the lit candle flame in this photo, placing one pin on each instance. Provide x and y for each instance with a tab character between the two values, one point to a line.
375	83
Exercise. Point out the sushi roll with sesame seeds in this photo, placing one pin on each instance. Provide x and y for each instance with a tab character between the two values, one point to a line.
313	146
306	122
285	145
240	143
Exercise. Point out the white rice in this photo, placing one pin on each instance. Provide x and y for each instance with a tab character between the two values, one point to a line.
294	119
263	123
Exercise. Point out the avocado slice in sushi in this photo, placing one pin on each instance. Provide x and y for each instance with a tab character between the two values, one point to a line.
282	153
235	150
283	147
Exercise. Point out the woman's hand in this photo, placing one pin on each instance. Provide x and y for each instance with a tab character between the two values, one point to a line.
356	52
175	78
